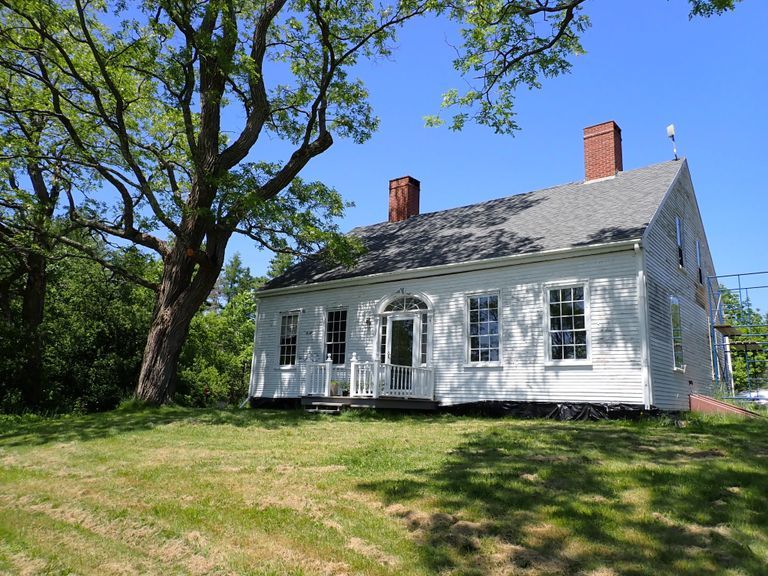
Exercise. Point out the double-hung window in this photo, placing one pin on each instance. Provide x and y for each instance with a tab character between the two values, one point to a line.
289	330
677	332
336	335
483	328
568	323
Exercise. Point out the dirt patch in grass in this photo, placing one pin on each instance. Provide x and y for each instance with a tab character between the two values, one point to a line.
372	551
26	565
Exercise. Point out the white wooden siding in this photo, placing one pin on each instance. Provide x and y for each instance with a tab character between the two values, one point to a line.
670	388
613	375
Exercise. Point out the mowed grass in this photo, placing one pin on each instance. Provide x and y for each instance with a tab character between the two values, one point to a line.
176	491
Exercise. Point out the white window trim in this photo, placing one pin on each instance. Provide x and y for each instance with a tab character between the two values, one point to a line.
676	299
480	364
296	313
570	283
324	349
383	316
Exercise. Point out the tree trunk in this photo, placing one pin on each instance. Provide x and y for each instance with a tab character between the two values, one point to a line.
183	289
32	309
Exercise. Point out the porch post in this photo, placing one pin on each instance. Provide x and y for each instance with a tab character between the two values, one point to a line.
328	371
353	375
376	378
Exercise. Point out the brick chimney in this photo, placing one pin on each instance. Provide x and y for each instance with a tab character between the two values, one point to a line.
602	150
403	198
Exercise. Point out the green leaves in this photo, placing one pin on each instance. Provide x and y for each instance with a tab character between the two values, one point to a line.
506	45
707	8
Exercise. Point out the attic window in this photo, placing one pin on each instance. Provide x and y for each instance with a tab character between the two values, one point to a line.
679	234
698	261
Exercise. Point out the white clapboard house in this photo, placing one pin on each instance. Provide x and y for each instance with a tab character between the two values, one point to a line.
587	293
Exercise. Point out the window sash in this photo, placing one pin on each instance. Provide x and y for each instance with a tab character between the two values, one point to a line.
483	329
567	327
336	335
289	324
677	332
680	239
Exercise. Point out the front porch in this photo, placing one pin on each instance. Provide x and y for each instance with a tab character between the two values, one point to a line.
369	384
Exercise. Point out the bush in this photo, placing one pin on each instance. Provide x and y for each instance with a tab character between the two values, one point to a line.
214	363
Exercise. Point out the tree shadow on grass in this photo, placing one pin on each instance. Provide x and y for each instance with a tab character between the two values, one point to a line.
545	498
30	430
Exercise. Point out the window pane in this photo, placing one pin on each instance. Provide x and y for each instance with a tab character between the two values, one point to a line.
567	323
483	328
677	331
287	347
336	336
383	343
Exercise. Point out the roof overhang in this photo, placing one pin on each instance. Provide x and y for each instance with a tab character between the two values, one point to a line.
456	268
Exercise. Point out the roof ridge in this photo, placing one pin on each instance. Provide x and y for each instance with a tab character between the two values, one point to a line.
681	160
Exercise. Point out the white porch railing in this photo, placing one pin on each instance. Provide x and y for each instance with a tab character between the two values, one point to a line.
369	380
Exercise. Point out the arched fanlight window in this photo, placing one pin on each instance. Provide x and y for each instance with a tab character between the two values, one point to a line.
406	304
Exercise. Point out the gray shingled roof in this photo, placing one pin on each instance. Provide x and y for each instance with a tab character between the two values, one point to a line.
576	214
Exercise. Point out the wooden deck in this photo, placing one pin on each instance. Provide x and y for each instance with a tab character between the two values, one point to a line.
378	403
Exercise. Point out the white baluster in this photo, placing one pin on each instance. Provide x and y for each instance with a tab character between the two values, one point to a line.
328	374
353	375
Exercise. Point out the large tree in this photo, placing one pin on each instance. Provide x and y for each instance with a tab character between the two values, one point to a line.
160	110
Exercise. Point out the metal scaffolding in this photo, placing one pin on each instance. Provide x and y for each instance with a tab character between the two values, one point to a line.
738	331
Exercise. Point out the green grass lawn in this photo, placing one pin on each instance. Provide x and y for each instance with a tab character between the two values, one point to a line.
176	491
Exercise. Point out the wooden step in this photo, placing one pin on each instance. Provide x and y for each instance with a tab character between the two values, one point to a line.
324	407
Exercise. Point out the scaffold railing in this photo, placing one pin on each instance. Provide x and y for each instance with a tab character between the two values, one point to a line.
738	331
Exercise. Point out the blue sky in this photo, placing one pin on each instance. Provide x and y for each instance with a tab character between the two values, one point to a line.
645	67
